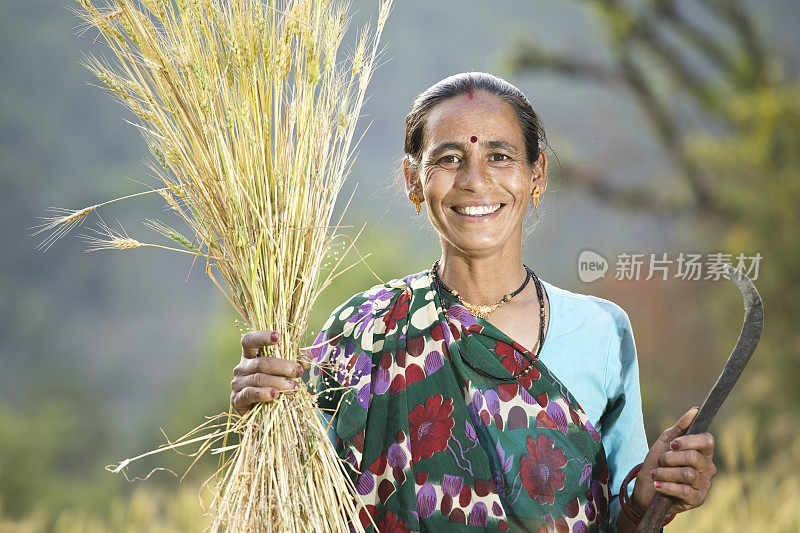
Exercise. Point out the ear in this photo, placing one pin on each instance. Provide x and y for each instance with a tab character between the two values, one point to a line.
411	176
539	174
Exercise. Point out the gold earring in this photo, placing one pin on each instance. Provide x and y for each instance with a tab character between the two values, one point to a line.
535	196
415	199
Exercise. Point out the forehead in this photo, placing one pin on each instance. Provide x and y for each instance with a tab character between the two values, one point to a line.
484	115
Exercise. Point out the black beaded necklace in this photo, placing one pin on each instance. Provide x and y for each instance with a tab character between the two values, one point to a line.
438	283
482	311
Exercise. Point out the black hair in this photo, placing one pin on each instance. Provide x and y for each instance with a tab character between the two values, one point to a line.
467	83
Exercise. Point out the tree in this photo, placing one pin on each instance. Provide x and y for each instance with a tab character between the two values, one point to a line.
682	75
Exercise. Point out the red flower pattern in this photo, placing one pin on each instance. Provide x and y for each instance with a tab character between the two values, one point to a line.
392	524
515	363
398	311
541	469
430	426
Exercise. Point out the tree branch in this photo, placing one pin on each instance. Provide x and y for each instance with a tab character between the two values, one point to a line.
636	199
666	127
703	43
645	32
639	199
624	21
530	57
632	31
742	25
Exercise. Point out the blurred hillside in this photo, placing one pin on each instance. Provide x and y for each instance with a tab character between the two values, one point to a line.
97	351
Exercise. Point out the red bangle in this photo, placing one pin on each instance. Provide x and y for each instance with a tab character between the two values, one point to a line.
632	515
625	503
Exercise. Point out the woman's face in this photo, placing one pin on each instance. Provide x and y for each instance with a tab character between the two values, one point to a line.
474	176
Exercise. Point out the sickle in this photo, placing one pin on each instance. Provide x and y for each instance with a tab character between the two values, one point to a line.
745	346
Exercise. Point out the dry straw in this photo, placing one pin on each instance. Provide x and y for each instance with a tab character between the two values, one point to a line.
250	113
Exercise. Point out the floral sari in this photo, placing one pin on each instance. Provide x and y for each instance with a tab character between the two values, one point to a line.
437	445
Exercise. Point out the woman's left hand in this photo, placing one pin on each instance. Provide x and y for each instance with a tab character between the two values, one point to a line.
677	465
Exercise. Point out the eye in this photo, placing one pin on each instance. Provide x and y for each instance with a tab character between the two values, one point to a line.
499	158
450	159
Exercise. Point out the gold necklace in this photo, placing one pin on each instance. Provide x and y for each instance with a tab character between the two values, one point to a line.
481	311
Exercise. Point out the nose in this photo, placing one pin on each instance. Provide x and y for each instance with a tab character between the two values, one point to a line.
474	176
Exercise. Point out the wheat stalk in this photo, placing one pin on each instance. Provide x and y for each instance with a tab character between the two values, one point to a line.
251	116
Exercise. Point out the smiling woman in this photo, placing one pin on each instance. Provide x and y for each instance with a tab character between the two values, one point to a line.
474	396
476	192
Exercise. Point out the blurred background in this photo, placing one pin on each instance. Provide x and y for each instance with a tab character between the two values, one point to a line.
675	127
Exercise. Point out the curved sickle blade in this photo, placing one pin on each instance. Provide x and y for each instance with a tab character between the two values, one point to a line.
745	346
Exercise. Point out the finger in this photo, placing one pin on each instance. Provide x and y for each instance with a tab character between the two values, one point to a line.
245	399
275	366
260	380
686	495
252	341
702	442
305	358
680	426
684	474
691	458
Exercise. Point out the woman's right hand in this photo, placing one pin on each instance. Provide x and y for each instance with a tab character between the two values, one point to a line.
261	379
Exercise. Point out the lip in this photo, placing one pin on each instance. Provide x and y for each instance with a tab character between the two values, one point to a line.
478	218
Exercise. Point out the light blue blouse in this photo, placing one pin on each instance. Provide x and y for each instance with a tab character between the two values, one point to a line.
589	346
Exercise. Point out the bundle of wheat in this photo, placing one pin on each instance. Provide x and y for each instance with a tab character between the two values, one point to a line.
251	117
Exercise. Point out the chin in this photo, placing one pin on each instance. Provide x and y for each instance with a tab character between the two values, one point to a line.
474	247
477	241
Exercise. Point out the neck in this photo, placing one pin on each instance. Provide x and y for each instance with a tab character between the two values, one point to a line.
481	280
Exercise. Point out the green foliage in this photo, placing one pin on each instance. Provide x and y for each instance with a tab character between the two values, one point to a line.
145	511
44	461
756	170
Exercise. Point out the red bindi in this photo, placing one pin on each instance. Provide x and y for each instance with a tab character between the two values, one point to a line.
473	139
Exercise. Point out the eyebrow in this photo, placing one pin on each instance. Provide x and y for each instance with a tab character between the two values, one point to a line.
501	145
444	147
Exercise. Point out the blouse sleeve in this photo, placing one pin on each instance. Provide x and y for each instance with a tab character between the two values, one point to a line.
623	434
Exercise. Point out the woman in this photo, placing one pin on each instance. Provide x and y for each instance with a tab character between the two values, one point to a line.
473	395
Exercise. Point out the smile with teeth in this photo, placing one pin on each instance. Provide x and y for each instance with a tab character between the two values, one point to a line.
477	210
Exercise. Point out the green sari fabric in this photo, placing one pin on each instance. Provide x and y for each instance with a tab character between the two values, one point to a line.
435	444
